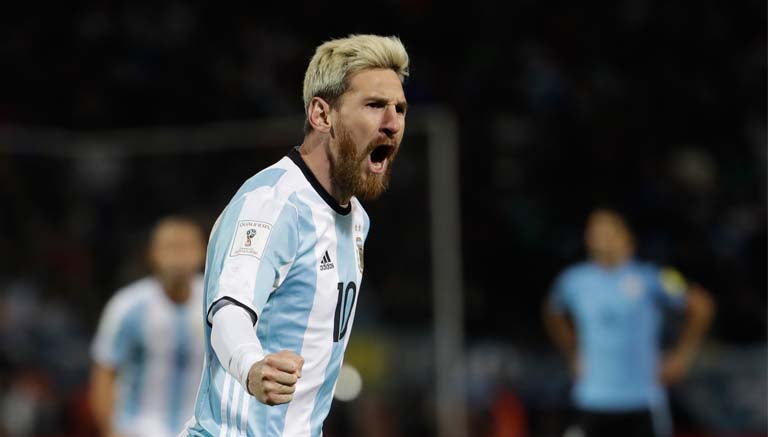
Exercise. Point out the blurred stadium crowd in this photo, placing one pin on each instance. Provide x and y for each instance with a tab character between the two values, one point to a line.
656	108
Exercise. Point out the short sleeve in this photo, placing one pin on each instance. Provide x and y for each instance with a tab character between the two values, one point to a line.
255	243
559	300
669	286
117	333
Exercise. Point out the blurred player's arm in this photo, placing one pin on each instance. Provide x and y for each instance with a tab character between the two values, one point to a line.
698	313
101	395
560	328
111	346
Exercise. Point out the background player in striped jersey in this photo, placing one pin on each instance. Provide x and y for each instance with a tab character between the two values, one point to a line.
148	348
285	258
605	315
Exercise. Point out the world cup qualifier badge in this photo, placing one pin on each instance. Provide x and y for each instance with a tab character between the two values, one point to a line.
360	262
250	238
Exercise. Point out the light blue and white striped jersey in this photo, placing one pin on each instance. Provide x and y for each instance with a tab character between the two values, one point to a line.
286	251
617	314
156	347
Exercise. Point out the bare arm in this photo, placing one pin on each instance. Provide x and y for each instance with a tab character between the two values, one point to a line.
101	395
699	312
560	329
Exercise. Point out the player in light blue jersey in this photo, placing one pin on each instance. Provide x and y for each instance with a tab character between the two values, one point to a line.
148	349
285	258
605	315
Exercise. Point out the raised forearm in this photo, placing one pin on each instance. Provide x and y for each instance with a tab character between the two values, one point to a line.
235	342
699	312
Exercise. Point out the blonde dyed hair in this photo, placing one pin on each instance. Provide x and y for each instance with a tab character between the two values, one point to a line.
334	61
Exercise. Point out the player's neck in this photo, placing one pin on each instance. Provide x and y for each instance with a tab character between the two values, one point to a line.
314	152
178	292
613	261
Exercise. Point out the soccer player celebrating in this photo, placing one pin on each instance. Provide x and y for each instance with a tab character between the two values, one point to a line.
285	257
604	315
148	347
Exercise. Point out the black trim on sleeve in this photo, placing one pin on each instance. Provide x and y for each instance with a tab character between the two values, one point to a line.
224	301
299	161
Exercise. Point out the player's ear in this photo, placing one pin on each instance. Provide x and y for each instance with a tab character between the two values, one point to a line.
319	115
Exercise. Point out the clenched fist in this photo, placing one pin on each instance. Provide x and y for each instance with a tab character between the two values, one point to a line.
273	380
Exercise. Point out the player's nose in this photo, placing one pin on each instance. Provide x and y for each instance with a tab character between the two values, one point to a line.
391	121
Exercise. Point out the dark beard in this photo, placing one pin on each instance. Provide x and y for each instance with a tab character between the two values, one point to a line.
346	176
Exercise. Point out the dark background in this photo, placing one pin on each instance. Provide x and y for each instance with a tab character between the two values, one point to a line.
656	108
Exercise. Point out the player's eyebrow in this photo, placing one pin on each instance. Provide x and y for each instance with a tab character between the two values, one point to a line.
400	105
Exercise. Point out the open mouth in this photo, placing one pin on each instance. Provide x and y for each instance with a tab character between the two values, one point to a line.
377	159
381	152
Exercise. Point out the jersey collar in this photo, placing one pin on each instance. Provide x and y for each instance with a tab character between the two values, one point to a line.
299	161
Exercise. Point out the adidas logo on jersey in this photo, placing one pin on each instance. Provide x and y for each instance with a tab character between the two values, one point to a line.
326	263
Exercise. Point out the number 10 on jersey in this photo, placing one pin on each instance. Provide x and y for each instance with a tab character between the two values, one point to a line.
344	305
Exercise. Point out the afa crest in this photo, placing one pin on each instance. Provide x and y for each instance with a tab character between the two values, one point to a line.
633	286
360	262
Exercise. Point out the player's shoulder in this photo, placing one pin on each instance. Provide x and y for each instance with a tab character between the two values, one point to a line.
133	295
278	181
577	270
644	267
357	208
139	289
572	275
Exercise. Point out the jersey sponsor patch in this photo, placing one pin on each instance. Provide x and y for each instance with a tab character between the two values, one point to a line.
672	281
250	238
